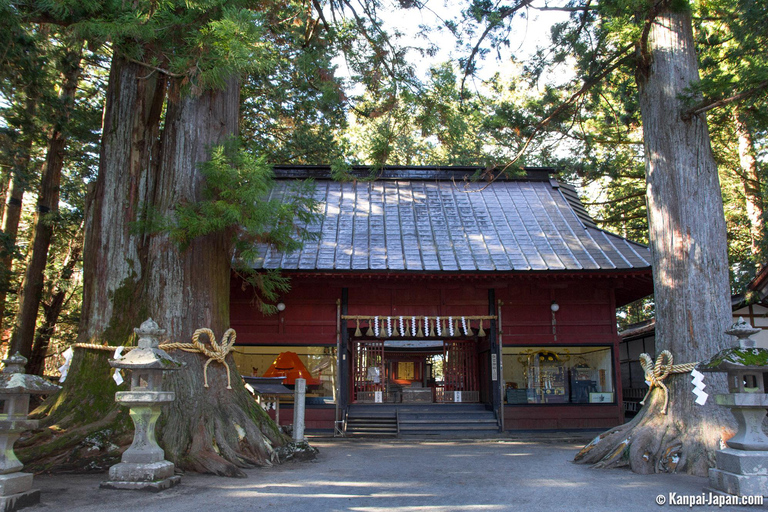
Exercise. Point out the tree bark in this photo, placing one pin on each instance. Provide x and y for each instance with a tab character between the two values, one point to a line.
752	187
690	266
45	216
133	271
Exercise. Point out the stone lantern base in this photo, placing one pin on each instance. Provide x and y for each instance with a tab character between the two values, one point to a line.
16	492
740	472
152	476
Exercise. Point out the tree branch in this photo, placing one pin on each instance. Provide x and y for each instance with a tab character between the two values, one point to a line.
706	106
584	8
154	68
503	14
618	199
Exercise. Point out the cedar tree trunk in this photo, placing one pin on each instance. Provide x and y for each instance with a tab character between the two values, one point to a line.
751	180
45	216
59	296
133	272
13	202
690	266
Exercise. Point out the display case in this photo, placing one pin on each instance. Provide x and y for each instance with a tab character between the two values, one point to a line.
547	378
557	375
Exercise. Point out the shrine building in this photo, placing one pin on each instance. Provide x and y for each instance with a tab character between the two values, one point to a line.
431	304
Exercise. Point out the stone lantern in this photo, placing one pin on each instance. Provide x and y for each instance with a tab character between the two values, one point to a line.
742	468
143	465
15	388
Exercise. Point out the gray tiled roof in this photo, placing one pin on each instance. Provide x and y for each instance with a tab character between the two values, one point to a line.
423	225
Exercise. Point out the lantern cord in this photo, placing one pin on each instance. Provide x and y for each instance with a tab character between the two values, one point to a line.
655	373
217	352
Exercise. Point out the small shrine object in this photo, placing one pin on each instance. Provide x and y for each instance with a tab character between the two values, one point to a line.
268	391
143	465
15	388
742	468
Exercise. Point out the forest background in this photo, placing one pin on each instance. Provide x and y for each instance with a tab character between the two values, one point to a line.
340	83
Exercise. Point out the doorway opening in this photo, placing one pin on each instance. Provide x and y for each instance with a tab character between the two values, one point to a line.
415	371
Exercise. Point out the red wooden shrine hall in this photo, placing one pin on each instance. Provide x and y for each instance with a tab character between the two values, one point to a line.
417	292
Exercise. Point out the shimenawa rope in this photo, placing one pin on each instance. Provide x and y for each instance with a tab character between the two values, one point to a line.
217	352
655	373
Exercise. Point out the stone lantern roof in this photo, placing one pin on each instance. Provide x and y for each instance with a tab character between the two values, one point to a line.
14	380
745	356
148	355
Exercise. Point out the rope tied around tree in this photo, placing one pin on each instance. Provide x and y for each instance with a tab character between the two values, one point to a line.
218	351
655	373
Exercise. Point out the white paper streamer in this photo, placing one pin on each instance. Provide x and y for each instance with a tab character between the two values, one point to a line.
450	325
376	326
64	369
437	326
117	375
413	326
426	326
698	387
464	326
402	329
389	326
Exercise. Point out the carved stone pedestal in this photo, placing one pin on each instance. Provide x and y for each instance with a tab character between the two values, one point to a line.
15	387
740	472
143	465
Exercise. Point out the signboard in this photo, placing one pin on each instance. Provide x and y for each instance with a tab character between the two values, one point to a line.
457	396
494	369
377	397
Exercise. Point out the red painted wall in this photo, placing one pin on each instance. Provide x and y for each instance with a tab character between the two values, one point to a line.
586	316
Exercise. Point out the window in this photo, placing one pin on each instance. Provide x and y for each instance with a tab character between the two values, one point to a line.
315	364
558	375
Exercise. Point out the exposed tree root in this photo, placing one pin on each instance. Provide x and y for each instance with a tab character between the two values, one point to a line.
81	427
207	430
682	441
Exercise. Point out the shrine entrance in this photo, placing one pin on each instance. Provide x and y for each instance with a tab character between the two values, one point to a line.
415	371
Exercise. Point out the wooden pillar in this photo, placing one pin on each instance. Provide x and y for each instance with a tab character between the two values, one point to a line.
344	355
496	397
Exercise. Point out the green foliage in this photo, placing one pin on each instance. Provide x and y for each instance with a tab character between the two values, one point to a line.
237	202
